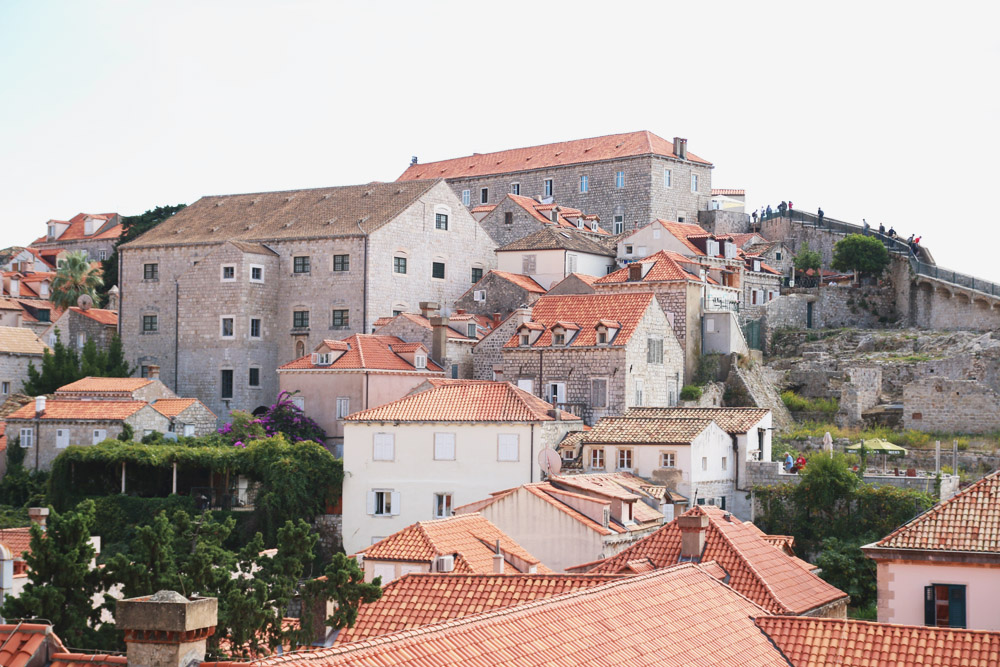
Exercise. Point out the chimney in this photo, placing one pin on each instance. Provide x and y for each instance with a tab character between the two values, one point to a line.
38	515
498	560
166	629
113	298
681	148
439	338
15	287
413	160
555	214
39	405
496	320
428	307
153	372
692	535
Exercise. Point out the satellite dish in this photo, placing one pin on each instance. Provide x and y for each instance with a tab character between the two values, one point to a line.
549	461
85	301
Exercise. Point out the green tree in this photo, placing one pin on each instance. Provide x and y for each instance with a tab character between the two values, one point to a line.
344	583
806	259
75	276
845	566
61	582
861	254
62	366
134	226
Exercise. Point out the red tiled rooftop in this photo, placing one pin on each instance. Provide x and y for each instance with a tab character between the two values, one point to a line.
109	317
100	385
81	410
524	282
77	228
18	540
728	192
23	644
587	310
731	420
88	660
368	352
171	407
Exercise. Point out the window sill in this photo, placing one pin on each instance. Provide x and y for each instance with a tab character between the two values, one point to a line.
149	333
258	387
340	328
301	273
227	337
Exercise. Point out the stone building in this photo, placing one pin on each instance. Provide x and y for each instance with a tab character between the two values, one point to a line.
777	255
760	285
500	293
19	347
94	234
78	325
487	355
228	289
116	389
574	283
551	254
516	217
596	354
449	340
627	180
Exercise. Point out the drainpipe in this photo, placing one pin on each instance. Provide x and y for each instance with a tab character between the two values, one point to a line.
364	293
736	458
177	318
540	394
531	459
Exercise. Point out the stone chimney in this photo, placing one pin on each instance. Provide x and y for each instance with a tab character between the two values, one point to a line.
496	320
693	527
428	308
497	560
166	629
39	405
439	338
38	515
113	298
153	372
681	148
15	287
555	214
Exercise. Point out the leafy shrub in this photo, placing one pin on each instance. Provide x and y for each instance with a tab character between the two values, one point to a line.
691	392
708	369
797	403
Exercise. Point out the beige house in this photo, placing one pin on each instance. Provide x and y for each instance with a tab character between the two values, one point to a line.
93	234
943	567
448	338
551	254
442	446
360	372
19	347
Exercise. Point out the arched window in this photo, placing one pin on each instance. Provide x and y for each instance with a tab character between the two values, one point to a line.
300	349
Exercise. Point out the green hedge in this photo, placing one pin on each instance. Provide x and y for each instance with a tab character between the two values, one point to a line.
691	392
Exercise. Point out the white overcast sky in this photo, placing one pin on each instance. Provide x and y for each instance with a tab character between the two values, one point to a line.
883	110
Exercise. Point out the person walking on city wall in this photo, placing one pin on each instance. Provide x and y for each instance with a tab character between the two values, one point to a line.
819	216
782	207
754	216
864	227
881	229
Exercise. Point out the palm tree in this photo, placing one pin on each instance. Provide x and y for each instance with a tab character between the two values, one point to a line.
75	276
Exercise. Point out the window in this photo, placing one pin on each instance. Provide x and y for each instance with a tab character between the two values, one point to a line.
555	392
639	391
777	256
666	178
599	393
442	505
437	270
255	327
4	387
399	265
149	323
444	446
43	315
341	318
602	337
299	402
27	437
62	438
227	328
723	462
81	340
383	503
419	361
470	330
484	195
99	435
384	447
228	273
226	381
477	274
507	447
515	188
694	182
628	249
188	430
620	179
343	406
144	371
466	197
654	350
150	271
668	460
256	273
341	262
441	221
525	339
300	264
559	339
624	459
597	458
547	187
43	289
570	263
508	218
619	221
300	319
944	605
254	379
528	264
704	463
584	184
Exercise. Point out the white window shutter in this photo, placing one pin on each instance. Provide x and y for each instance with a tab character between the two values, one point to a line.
384	447
394	502
371	502
507	447
444	446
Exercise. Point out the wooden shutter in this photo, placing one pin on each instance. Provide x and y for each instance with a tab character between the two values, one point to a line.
956	606
507	446
371	502
444	446
384	447
929	605
394	503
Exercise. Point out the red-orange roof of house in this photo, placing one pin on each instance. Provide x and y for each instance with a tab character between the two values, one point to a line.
109	317
666	266
171	407
422	321
728	192
578	151
816	642
81	410
88	660
524	282
22	644
422	599
18	540
77	228
587	310
366	352
464	401
100	385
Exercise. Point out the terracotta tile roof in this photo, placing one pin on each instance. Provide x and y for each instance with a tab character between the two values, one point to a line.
760	248
551	238
109	317
589	280
524	282
87	660
968	521
77	228
18	540
464	401
579	151
666	266
727	192
680	616
543	213
815	642
22	644
81	410
681	231
730	420
20	340
171	407
586	310
640	566
9	304
367	352
482	208
100	385
382	321
757	569
422	321
416	600
742	239
292	214
646	431
470	537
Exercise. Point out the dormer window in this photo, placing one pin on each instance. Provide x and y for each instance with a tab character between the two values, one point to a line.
711	248
52	232
420	361
559	339
525	339
602	337
471	331
322	358
756	265
634	272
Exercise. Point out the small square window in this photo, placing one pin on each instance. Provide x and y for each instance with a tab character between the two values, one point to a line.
226	381
515	188
466	197
382	503
624	459
384	447
525	339
151	272
559	339
227	329
442	505
228	273
584	184
437	270
254	377
508	218
341	262
441	221
255	327
149	323
341	318
547	186
597	458
301	264
620	179
399	265
484	196
668	460
300	319
507	447
444	446
256	274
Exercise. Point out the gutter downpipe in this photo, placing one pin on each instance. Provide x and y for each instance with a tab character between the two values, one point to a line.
364	293
531	459
177	324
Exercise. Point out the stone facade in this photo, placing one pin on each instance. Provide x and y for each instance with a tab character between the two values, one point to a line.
487	355
574	283
498	295
196	416
98	245
770	473
831	307
456	358
724	222
75	329
758	288
14	371
952	406
860	392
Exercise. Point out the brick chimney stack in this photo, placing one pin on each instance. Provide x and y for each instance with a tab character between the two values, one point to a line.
428	308
439	339
166	629
681	148
693	527
154	372
38	515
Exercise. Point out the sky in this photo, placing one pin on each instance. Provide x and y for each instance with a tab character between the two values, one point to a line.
880	110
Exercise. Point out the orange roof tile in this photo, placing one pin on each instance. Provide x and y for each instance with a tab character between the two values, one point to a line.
87	660
24	643
968	521
77	228
543	213
366	352
731	420
524	282
728	192
758	570
416	600
579	151
18	540
20	340
422	321
109	317
100	385
641	431
470	537
81	410
680	616
666	266
815	642
587	310
171	407
464	401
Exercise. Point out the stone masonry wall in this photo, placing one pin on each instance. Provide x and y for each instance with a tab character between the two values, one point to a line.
769	473
501	296
837	306
487	353
724	222
522	223
955	406
72	324
860	392
14	369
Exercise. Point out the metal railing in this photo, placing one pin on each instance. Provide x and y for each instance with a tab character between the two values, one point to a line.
954	277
